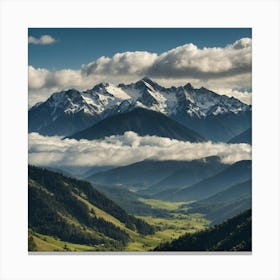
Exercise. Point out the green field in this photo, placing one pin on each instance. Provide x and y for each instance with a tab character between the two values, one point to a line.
176	224
49	243
161	204
167	228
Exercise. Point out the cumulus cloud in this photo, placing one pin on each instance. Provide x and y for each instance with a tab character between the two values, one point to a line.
42	82
244	96
126	149
207	63
37	77
187	61
43	40
242	43
129	63
223	68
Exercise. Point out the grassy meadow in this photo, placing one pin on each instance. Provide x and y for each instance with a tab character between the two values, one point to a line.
167	228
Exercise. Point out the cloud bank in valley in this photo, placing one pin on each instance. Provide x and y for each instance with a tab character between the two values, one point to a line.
216	68
126	149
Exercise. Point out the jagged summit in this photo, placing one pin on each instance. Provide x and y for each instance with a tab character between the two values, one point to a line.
105	99
188	86
147	93
100	86
147	80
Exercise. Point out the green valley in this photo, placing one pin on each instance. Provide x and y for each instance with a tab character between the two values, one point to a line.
66	214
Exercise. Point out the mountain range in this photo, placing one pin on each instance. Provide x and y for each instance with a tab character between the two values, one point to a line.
225	204
168	197
152	176
211	115
234	174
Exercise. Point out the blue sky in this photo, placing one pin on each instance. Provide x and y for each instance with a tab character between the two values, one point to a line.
219	59
76	46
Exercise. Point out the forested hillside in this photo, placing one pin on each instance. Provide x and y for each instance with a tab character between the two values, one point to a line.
232	235
70	209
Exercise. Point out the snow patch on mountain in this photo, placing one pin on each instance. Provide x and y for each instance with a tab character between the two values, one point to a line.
117	92
107	99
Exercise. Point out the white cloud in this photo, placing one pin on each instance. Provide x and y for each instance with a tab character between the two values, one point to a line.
42	82
187	61
207	63
242	43
215	68
244	96
37	77
126	149
129	63
43	40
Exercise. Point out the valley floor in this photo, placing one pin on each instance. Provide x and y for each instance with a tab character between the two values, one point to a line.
176	224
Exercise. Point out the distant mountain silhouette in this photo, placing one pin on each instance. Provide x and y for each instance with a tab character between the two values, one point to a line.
236	173
244	137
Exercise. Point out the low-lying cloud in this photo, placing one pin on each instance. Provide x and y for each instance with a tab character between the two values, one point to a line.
43	40
126	149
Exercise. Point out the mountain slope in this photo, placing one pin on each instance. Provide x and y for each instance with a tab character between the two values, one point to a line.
75	212
221	127
230	194
216	117
143	122
238	172
129	201
188	174
150	172
61	114
137	175
244	137
233	235
225	204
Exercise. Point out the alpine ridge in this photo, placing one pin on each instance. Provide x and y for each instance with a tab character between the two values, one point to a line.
67	112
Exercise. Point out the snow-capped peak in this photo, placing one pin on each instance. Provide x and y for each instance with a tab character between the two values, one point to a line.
105	99
69	102
117	92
